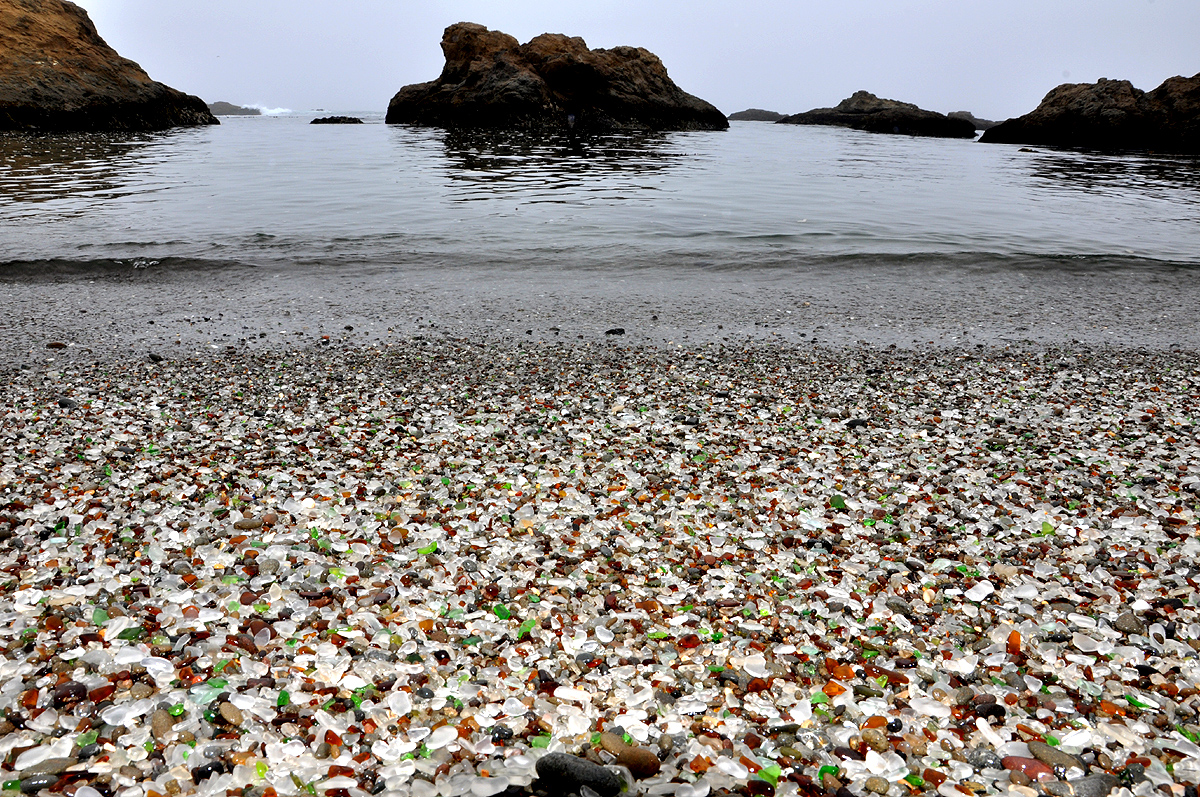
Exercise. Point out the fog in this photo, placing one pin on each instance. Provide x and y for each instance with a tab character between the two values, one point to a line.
995	59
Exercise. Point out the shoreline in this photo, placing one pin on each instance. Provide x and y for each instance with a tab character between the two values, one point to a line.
175	313
363	569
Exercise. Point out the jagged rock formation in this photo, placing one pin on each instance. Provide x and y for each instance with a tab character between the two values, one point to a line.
337	120
551	82
865	111
229	109
980	124
756	115
1111	115
57	74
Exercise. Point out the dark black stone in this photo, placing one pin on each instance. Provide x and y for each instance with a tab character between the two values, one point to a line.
559	773
615	331
206	771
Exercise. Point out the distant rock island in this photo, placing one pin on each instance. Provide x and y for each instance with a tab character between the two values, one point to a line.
229	109
865	111
337	120
553	82
1111	115
57	74
756	115
980	124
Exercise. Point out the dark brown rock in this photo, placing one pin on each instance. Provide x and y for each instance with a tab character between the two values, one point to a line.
229	109
552	82
57	74
865	111
337	120
1111	115
980	124
756	115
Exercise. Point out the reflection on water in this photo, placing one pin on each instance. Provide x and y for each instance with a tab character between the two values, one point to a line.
1176	179
551	168
40	168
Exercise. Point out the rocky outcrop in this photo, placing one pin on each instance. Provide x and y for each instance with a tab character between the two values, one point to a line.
980	124
1111	115
229	109
337	120
756	115
865	111
552	82
57	74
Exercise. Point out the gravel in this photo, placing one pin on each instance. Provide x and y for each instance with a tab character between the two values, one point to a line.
459	567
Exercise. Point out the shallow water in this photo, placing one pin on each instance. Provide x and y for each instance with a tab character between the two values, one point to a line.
273	191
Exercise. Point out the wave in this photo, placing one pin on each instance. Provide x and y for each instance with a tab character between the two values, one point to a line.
267	111
614	260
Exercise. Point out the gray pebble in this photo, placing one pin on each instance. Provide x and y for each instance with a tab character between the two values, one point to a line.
38	782
51	766
1128	623
1093	785
983	758
1052	756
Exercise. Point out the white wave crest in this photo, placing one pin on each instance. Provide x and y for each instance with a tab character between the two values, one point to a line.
270	111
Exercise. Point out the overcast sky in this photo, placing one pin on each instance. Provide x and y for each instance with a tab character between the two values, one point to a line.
997	59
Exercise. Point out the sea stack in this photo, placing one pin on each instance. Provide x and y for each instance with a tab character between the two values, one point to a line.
553	82
756	115
864	111
58	75
1111	115
221	108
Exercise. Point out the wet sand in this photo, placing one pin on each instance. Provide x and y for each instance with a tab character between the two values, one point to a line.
177	311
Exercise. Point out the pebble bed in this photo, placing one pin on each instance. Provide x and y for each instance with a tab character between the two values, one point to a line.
461	568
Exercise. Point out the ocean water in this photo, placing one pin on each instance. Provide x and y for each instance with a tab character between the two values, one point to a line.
276	193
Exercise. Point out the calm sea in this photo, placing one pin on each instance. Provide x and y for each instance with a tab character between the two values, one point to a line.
277	192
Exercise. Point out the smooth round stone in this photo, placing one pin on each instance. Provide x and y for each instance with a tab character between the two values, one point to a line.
876	740
231	714
1052	756
560	773
1030	767
641	761
36	783
1093	785
206	771
51	766
1128	623
161	723
983	758
876	785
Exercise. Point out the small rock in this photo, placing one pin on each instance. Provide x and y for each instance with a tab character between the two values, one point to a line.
67	403
1052	756
560	773
983	758
51	766
161	723
1030	767
36	783
1128	623
876	740
877	785
248	524
615	331
140	691
231	714
641	761
1093	785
